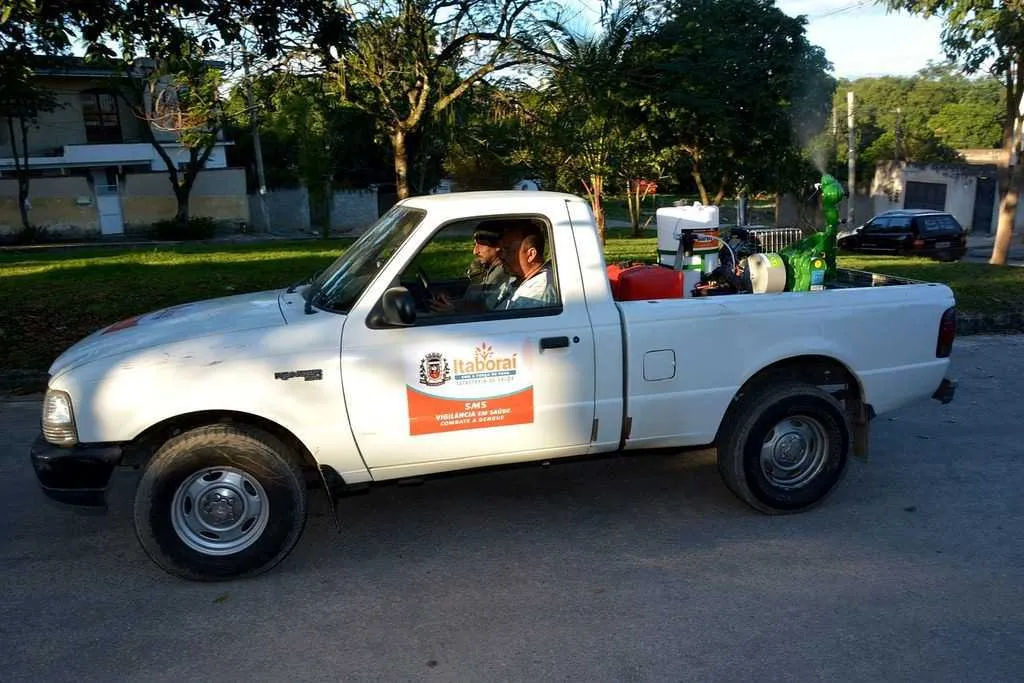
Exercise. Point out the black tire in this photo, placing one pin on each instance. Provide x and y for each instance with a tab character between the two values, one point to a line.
802	414
244	469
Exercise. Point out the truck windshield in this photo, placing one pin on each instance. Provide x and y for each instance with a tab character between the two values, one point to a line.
338	287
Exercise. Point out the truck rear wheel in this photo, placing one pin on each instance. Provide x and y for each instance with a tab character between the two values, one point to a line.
220	502
784	447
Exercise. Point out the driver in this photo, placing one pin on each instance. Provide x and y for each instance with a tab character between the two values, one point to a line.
487	275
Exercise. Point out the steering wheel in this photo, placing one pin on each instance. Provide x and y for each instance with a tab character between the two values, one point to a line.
422	275
418	285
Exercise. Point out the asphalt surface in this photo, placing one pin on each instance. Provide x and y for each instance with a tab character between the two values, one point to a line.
628	569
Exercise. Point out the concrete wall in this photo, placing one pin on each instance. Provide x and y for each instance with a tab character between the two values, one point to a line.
792	212
62	206
219	194
889	188
983	156
353	210
961	184
288	210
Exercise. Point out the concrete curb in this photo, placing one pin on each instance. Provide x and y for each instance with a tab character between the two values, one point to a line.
1007	322
15	383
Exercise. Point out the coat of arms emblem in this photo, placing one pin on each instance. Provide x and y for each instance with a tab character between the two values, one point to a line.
434	370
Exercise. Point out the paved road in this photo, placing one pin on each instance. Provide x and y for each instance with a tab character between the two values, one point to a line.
627	569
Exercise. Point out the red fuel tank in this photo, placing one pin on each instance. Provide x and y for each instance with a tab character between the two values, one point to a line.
650	282
613	278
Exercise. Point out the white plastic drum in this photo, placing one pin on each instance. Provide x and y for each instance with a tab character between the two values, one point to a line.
767	273
674	219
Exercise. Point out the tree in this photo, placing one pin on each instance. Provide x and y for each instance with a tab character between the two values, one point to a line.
989	34
735	86
486	151
26	40
178	87
410	60
179	100
585	118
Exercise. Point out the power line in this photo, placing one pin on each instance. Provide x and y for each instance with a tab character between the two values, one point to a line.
842	10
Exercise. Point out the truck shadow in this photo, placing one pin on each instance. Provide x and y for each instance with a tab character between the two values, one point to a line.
544	513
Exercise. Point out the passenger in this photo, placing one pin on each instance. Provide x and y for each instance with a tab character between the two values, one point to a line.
522	250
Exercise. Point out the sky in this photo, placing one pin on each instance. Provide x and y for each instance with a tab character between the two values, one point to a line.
861	39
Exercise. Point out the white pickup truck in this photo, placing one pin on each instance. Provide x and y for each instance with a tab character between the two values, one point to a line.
234	407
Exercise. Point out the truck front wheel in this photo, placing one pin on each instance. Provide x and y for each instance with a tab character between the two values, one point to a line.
784	447
220	502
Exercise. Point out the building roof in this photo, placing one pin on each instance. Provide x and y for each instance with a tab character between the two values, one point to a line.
69	66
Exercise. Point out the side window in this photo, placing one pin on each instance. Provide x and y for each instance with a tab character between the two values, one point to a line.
876	224
899	224
482	269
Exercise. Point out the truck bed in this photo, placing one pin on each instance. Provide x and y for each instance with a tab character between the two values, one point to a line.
847	278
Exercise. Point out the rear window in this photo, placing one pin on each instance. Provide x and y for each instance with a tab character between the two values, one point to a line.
933	224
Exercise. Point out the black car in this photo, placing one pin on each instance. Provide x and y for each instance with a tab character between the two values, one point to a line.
910	232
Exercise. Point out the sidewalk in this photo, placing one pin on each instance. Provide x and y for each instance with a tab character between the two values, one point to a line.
979	249
131	241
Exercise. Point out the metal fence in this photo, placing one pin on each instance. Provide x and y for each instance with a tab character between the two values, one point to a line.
774	240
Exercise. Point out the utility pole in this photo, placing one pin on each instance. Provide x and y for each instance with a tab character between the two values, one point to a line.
896	154
852	153
257	148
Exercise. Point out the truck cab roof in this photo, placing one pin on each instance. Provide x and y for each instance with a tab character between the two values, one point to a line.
494	202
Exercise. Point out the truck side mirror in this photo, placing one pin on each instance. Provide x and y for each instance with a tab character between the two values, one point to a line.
398	307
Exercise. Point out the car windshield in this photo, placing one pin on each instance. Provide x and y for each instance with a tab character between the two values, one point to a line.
338	287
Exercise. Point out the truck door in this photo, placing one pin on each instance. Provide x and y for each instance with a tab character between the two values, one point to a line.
480	386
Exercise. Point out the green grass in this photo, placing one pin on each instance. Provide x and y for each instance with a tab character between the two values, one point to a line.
979	287
53	298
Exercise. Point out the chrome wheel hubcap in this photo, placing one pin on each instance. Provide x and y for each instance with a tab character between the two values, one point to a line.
219	511
794	452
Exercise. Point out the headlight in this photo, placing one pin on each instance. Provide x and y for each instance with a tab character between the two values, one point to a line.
59	419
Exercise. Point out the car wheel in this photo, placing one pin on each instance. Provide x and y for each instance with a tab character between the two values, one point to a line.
220	502
784	447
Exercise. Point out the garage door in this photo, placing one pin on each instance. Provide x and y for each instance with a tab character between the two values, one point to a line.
925	196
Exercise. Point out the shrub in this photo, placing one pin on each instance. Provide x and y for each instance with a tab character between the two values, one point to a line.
198	228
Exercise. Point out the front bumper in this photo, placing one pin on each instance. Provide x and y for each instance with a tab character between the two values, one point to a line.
77	475
946	391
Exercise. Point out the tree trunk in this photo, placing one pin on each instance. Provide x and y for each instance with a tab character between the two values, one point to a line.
595	193
23	198
401	163
695	172
1007	215
21	168
633	200
181	194
1011	176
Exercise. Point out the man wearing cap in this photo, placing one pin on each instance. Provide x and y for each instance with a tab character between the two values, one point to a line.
487	276
486	273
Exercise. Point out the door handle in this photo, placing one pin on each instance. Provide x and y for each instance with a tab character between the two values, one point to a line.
554	342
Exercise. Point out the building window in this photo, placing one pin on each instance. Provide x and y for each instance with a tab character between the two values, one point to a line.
99	110
925	196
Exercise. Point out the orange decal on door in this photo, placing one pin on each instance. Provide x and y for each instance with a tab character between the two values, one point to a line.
431	414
